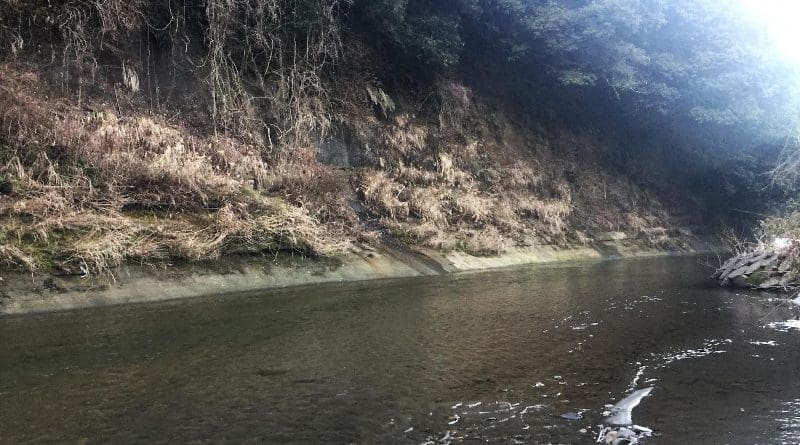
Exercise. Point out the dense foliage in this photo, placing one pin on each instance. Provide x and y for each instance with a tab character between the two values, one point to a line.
699	63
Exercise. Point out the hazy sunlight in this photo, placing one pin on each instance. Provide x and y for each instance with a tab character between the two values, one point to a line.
781	18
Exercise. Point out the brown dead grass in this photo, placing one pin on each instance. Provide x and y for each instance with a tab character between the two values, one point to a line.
382	195
80	182
12	256
460	195
488	241
469	177
97	187
425	203
472	206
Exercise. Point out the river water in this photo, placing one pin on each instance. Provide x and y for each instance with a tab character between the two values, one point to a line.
492	357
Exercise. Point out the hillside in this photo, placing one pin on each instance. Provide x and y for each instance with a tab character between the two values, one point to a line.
193	130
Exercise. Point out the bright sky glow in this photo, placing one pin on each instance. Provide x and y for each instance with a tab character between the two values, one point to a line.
782	20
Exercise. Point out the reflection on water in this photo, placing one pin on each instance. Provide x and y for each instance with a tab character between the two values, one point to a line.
529	355
788	417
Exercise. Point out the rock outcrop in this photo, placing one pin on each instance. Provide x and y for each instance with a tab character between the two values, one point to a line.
772	268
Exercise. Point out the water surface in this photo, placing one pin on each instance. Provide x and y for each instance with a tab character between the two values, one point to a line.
493	356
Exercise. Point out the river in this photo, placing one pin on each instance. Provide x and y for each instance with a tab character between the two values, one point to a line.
495	356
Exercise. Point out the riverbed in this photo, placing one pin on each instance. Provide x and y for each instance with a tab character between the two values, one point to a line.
496	356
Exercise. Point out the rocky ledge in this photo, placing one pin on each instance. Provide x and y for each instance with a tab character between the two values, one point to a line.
767	268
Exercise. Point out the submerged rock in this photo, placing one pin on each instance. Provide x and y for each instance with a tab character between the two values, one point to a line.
572	416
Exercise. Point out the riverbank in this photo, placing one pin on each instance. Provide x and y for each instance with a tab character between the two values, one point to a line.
25	294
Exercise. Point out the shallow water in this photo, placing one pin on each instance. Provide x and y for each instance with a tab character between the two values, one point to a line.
493	356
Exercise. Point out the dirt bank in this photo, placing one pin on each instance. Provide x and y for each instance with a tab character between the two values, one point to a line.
24	294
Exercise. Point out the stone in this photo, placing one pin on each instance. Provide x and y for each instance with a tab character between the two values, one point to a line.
739	281
753	257
730	266
341	149
753	267
762	262
729	263
725	269
771	283
381	100
737	273
572	416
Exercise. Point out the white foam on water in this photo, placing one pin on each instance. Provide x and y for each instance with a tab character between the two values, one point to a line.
537	407
709	347
639	374
785	326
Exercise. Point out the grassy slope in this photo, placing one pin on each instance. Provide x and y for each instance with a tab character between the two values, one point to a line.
87	184
99	167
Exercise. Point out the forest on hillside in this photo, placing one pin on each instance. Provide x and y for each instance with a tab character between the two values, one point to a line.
190	129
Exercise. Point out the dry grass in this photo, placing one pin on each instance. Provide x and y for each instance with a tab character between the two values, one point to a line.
382	194
93	189
108	173
418	176
484	242
787	170
12	256
461	192
787	226
470	178
455	100
320	190
425	203
522	177
471	206
551	213
99	174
